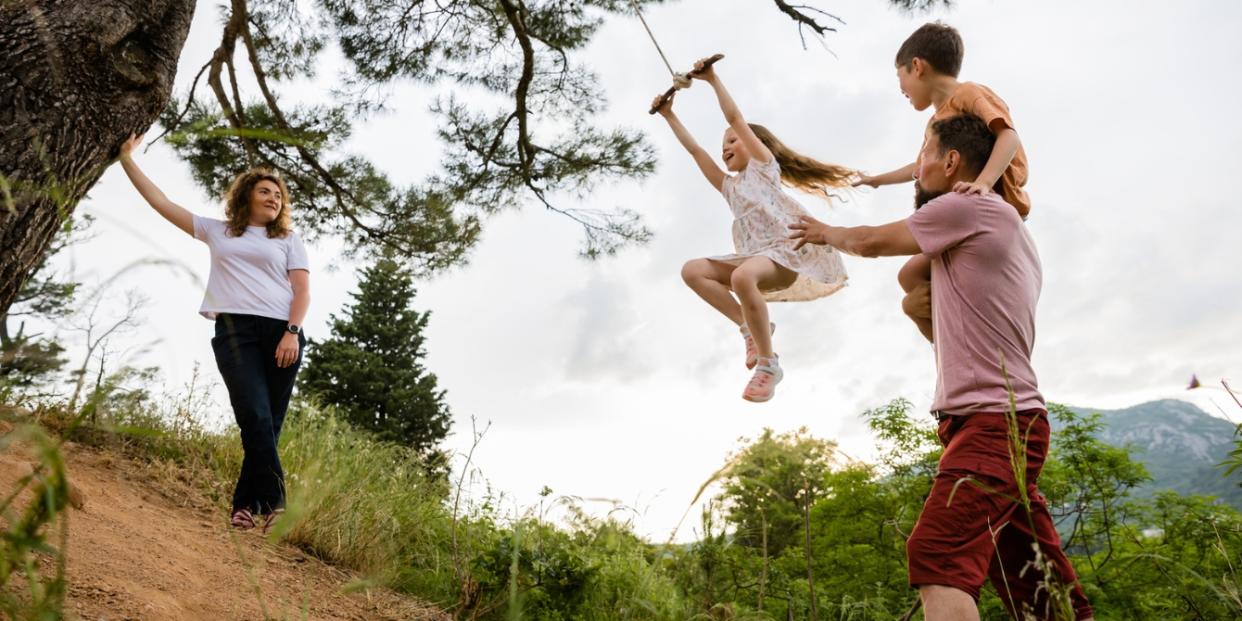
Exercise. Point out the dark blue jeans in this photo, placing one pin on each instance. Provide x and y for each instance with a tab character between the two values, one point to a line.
245	348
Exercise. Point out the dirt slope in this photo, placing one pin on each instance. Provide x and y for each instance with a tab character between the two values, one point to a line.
142	547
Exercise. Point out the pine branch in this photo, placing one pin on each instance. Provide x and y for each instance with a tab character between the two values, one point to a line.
189	101
224	56
339	192
797	13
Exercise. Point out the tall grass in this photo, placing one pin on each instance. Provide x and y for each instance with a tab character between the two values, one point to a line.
366	505
26	538
379	509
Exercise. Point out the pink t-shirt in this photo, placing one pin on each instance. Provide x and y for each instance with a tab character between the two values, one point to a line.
986	278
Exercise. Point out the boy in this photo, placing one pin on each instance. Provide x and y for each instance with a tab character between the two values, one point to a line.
927	66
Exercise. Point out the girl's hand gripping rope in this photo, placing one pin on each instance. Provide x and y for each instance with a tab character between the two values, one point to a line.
663	104
703	68
704	65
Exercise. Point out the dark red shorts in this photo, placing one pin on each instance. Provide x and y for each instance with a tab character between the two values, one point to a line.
984	535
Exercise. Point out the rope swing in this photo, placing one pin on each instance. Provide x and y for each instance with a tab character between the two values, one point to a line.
680	80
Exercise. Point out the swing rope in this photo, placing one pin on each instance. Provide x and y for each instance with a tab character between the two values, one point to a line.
680	80
642	19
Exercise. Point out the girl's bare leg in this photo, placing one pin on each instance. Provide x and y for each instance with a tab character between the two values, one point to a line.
710	279
748	281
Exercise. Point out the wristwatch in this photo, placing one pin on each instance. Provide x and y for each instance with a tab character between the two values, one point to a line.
293	329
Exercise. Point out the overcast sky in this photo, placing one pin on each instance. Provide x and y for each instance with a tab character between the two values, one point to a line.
612	380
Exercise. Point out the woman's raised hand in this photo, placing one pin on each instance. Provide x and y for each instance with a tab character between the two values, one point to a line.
171	211
134	141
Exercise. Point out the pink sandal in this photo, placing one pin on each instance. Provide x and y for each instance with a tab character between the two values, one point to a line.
763	383
269	520
242	520
752	353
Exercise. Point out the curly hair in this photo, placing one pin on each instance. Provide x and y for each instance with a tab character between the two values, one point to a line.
801	172
237	203
938	44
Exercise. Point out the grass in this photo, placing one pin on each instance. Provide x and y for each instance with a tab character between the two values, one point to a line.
373	507
27	589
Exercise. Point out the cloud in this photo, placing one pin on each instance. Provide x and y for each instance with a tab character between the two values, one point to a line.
609	341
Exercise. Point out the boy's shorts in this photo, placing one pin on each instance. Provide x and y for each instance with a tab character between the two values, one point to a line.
983	534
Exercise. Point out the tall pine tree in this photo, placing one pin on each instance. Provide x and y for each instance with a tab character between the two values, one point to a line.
371	368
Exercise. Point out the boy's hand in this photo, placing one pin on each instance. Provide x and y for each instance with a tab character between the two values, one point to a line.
808	230
665	108
865	180
974	187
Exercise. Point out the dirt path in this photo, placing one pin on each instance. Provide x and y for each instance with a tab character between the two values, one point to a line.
143	548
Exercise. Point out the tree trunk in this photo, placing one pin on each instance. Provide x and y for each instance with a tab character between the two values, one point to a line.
806	530
76	78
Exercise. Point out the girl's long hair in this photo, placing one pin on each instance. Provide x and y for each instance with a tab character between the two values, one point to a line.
801	172
237	203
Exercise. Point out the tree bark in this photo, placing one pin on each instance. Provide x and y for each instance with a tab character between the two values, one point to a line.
76	78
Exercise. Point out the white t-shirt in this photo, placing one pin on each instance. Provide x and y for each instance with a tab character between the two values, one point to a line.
250	273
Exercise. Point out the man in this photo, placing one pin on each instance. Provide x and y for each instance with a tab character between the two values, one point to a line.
987	279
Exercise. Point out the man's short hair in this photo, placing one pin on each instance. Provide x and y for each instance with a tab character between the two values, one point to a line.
969	136
936	43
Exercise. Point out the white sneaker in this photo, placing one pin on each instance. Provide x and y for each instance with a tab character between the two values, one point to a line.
762	385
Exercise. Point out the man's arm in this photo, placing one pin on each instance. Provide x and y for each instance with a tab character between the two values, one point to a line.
887	240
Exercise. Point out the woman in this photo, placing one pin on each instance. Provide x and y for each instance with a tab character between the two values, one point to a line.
257	293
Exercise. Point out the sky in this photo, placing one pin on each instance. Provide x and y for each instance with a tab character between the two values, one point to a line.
610	381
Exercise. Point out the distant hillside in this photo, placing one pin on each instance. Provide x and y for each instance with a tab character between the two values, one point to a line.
1179	443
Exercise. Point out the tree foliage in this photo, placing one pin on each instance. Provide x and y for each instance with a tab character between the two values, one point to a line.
1168	557
769	482
30	359
372	366
515	114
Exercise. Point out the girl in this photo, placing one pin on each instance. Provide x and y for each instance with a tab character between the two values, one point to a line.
765	266
257	293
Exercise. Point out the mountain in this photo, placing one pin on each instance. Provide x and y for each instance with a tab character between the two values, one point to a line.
1180	444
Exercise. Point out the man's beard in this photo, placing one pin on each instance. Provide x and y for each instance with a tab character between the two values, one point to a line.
922	197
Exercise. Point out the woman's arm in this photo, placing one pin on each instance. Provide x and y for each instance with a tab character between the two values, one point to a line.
733	116
300	280
178	215
707	165
287	350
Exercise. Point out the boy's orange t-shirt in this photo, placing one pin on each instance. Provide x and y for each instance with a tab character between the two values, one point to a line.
980	101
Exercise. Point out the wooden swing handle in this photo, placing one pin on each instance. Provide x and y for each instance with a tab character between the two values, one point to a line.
669	93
